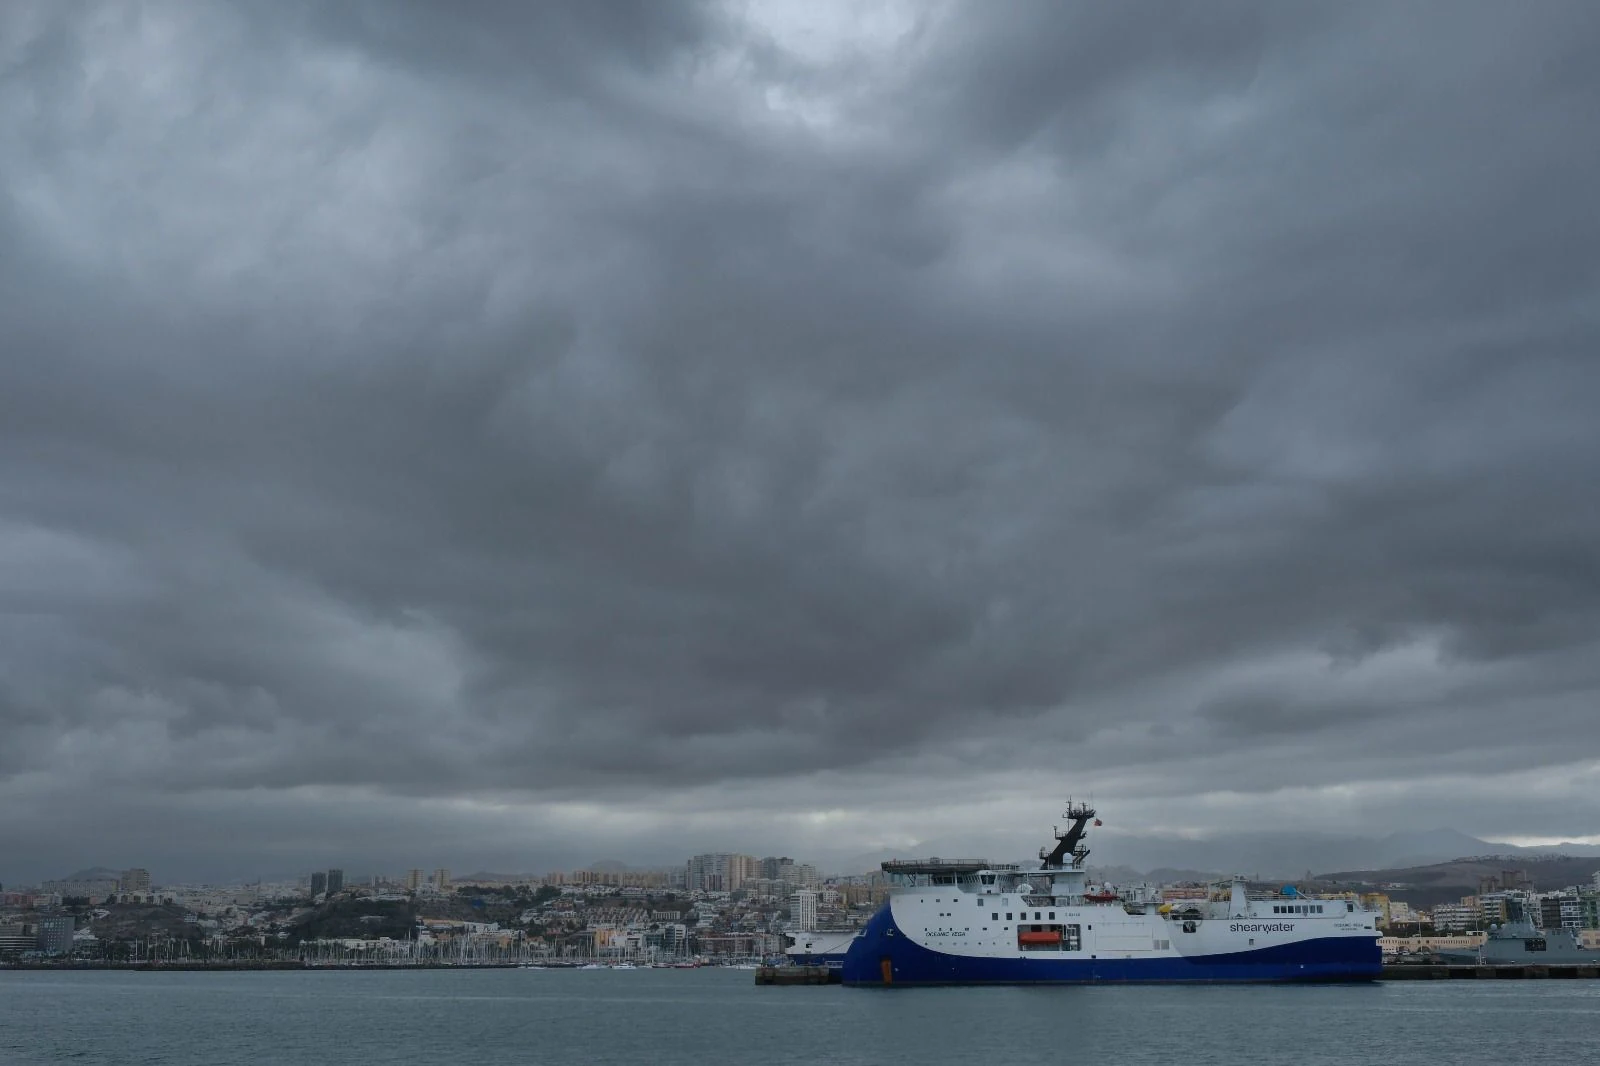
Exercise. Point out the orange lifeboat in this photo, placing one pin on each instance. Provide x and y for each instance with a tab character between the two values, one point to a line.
1103	896
1051	937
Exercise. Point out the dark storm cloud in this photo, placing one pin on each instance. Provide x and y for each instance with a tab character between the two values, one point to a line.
535	409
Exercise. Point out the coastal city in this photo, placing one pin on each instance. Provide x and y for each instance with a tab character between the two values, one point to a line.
714	909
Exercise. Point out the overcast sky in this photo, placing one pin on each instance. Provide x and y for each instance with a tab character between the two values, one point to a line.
507	435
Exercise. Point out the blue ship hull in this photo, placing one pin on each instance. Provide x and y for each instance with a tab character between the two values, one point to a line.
884	955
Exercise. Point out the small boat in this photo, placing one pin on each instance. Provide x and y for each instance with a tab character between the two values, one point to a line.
1104	895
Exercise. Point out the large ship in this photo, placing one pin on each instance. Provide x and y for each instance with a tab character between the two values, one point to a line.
958	922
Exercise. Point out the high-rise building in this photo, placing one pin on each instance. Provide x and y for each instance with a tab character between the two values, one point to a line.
55	936
414	881
335	881
135	881
803	910
802	874
720	872
441	879
319	883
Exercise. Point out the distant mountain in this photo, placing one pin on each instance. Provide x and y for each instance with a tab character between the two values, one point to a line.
94	873
1429	845
1286	856
1161	875
486	876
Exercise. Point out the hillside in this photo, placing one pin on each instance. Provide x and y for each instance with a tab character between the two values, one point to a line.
133	921
1424	886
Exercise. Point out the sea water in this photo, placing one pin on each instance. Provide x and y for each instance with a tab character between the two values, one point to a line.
711	1016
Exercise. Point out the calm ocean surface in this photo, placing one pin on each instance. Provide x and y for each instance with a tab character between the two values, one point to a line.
707	1017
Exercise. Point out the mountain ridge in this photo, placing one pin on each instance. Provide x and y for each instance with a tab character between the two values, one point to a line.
1267	855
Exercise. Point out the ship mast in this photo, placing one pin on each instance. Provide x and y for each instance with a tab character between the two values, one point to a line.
1070	842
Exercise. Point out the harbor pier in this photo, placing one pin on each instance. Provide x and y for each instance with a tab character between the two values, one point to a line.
1411	971
797	975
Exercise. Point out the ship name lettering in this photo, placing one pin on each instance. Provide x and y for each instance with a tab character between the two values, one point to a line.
1261	927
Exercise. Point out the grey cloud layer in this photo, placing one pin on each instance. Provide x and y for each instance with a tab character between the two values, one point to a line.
493	407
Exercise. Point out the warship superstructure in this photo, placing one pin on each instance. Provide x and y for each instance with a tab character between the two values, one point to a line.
1520	943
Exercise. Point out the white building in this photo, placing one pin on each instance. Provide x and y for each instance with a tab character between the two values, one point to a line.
1456	915
803	910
